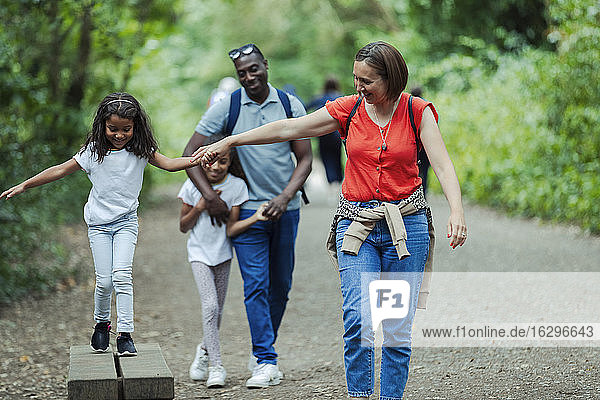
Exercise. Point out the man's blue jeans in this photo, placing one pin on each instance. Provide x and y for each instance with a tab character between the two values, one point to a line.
265	253
113	246
378	255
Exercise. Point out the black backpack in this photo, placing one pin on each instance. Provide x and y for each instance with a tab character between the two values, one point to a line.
234	112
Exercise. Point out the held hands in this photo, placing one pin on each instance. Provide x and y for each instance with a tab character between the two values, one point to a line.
457	229
13	191
259	215
276	207
206	155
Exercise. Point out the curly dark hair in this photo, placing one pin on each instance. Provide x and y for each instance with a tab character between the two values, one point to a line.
235	168
142	144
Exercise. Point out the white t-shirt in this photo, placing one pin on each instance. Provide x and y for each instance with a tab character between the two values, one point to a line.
116	184
209	243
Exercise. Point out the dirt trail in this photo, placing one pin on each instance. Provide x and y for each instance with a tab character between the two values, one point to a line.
35	335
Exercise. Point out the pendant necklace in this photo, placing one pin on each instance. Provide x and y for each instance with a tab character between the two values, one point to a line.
389	123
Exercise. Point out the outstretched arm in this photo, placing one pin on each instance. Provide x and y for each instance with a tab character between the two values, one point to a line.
311	125
46	176
172	164
215	206
444	170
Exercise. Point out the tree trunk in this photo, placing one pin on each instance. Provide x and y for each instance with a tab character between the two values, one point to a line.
77	89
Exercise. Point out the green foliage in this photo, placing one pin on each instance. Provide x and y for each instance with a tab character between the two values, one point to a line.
524	135
508	24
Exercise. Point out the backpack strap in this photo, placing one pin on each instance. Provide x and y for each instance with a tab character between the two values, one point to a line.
349	120
234	111
411	116
285	102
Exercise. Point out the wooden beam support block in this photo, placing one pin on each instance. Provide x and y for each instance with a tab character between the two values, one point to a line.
147	375
92	376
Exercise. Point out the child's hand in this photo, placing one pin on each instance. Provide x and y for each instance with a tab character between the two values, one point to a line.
201	204
195	161
13	191
259	213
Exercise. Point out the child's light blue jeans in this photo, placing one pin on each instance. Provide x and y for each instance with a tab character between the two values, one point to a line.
113	245
378	255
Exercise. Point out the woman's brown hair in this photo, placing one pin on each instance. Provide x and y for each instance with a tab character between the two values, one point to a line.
388	63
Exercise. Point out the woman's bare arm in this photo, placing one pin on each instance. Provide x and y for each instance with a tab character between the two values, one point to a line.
315	124
444	170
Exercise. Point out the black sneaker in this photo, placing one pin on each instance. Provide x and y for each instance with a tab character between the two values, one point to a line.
125	345
101	337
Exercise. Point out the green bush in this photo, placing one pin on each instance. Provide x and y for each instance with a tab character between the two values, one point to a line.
32	258
511	150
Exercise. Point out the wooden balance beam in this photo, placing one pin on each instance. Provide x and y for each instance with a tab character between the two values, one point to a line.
105	376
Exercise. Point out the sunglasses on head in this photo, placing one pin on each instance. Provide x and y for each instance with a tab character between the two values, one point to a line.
244	50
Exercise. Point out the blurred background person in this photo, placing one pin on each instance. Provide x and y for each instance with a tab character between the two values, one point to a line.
226	86
291	89
330	145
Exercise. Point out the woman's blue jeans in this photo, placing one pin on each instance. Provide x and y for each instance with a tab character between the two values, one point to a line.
378	255
113	245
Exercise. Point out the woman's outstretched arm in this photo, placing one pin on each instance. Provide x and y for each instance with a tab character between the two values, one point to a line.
311	125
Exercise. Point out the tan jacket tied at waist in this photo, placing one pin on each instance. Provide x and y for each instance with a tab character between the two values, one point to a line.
362	225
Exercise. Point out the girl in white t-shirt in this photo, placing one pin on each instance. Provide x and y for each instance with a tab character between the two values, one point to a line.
210	253
113	156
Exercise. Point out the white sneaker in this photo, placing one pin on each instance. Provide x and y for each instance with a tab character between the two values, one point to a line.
216	377
253	362
199	367
264	375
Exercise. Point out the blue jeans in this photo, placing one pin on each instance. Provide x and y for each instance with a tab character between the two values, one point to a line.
265	253
378	255
113	245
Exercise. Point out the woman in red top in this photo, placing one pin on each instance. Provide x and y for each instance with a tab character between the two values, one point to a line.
381	172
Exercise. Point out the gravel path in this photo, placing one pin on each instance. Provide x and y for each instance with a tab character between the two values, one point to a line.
35	334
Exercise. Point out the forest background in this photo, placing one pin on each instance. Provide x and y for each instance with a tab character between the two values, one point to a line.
515	82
